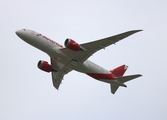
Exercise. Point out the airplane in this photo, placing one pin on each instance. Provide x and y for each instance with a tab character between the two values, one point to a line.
75	56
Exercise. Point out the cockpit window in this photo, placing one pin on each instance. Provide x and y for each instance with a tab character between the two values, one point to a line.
33	32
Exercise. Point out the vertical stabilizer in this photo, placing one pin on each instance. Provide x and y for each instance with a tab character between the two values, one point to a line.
119	71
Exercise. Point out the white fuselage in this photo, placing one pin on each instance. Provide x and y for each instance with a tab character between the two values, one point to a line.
63	60
52	48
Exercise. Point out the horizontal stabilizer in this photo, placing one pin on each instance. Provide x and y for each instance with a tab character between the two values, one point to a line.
122	80
128	78
113	88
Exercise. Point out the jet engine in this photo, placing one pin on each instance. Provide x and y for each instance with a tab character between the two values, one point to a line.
45	66
72	45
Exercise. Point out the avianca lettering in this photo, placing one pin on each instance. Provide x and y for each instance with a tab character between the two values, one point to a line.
50	40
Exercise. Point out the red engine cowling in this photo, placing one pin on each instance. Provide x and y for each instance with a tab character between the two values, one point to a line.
72	45
43	65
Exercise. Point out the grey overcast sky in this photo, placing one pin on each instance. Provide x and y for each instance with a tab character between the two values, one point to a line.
27	93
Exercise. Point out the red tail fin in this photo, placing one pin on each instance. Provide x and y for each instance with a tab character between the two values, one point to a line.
119	71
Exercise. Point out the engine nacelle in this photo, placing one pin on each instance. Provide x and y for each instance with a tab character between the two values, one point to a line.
72	45
45	66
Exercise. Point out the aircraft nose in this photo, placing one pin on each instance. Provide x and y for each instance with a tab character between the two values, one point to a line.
20	33
17	32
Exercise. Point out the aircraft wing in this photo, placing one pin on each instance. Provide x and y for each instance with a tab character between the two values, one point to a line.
92	47
61	70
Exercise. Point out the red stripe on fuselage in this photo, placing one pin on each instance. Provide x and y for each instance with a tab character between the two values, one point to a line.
102	76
